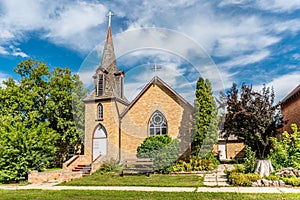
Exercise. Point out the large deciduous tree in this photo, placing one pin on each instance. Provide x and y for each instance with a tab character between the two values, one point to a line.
206	119
252	117
37	119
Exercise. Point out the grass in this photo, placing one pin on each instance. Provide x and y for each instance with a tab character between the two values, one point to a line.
154	180
134	195
51	169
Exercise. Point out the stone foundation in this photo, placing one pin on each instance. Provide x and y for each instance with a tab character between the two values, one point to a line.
53	176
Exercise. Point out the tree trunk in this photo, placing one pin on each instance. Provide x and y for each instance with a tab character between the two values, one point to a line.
264	167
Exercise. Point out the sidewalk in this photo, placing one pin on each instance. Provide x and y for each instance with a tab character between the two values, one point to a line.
47	186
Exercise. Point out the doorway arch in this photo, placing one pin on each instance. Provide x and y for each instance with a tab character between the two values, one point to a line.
99	142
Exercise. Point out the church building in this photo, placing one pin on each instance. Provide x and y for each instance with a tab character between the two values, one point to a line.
115	127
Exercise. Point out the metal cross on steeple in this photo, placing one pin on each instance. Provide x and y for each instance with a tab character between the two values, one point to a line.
155	68
109	15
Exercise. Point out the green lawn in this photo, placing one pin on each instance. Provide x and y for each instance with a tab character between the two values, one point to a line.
132	195
155	180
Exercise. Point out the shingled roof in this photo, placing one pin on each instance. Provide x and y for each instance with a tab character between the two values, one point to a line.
294	93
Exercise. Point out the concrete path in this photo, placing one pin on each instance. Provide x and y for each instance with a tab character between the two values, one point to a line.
217	177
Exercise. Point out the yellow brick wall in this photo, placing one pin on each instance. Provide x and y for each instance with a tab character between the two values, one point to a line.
110	122
135	122
234	150
134	127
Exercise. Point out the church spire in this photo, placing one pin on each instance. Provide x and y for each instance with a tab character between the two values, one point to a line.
108	57
108	80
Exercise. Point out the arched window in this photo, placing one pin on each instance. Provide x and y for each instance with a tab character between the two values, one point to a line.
157	124
100	111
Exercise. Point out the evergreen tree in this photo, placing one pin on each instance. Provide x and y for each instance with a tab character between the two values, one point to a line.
206	119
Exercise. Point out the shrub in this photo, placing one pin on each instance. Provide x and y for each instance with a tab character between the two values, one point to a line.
249	160
272	177
162	149
111	165
240	179
196	164
286	150
294	181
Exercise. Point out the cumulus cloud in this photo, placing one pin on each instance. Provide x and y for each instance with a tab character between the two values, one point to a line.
282	85
3	77
72	23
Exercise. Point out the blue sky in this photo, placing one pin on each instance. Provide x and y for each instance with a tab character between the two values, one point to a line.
255	42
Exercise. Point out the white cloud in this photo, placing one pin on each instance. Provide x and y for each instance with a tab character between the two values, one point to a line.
3	77
17	52
288	25
246	59
70	23
75	25
279	5
3	51
283	85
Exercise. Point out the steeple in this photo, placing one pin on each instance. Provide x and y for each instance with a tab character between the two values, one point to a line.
108	56
108	80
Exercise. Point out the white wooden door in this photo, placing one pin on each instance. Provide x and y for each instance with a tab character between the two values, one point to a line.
99	142
222	151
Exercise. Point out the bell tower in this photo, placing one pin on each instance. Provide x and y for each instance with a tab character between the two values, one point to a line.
104	105
108	80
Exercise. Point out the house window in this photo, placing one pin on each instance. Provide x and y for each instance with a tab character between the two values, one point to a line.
157	124
100	111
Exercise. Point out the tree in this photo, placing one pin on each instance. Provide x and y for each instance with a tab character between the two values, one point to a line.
56	97
286	150
206	119
65	110
26	141
252	117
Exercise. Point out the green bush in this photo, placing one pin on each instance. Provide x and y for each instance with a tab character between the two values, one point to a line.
294	181
286	152
162	149
111	165
196	164
272	177
240	179
249	160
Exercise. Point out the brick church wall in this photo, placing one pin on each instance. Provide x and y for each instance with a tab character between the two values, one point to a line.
109	121
135	122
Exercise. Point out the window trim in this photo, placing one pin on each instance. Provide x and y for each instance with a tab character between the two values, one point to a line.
158	128
99	115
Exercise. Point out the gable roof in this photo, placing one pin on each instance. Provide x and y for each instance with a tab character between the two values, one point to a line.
294	93
157	81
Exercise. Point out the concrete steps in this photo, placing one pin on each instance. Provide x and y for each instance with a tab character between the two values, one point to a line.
85	169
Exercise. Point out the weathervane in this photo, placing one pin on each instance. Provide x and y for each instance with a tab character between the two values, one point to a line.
109	15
